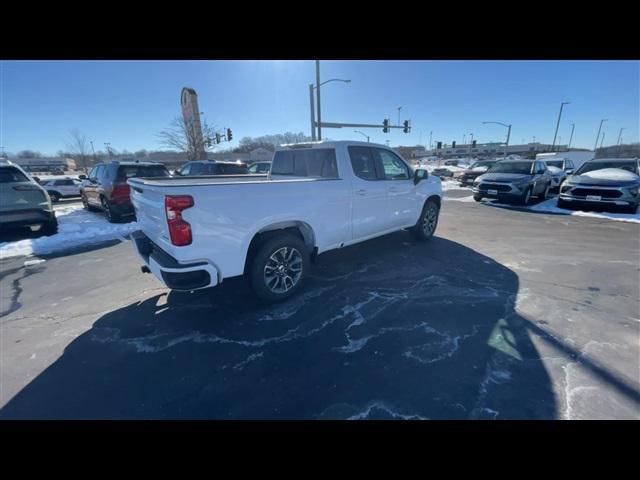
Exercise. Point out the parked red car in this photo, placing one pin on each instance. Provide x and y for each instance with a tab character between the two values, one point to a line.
474	171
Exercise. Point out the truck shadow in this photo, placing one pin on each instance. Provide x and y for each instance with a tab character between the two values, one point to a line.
389	328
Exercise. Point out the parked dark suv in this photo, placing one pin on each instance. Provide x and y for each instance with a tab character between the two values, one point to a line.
106	186
209	167
514	180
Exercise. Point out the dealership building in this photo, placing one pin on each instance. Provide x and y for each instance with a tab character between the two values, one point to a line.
46	164
483	150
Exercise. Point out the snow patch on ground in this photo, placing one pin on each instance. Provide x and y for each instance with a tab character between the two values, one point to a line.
77	227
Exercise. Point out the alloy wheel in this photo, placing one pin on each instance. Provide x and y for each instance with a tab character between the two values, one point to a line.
283	270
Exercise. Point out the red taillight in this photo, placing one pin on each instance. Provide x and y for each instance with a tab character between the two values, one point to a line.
179	229
120	192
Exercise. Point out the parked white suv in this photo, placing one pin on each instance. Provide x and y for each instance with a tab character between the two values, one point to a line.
195	232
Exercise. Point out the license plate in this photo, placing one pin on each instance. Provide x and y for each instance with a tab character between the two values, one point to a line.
492	192
594	198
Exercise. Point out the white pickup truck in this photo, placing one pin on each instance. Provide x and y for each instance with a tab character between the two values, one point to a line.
197	231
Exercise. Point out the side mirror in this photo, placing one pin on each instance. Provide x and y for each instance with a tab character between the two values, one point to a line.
177	173
82	177
419	175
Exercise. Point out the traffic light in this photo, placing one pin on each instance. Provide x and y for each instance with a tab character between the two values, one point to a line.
453	144
217	138
406	126
439	147
385	125
473	144
229	136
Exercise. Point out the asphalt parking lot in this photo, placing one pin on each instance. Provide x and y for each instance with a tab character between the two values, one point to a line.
505	314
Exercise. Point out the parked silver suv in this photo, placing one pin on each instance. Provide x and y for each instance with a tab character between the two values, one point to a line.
23	202
514	181
604	182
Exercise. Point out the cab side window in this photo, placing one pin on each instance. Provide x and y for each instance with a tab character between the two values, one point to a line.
196	169
362	163
392	167
185	170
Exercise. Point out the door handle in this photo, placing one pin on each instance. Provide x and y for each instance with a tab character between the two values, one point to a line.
361	192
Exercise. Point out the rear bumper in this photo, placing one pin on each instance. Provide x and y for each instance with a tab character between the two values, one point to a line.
19	218
175	275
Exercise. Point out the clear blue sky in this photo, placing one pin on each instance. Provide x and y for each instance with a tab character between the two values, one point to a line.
128	102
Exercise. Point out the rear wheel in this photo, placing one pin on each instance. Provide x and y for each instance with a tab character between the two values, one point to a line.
85	203
477	198
279	268
54	196
51	227
111	216
428	221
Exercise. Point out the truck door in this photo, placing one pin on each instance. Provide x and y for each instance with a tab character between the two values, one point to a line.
396	175
370	208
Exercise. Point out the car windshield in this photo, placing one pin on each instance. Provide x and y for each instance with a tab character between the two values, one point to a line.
483	164
591	166
12	175
511	167
554	163
130	171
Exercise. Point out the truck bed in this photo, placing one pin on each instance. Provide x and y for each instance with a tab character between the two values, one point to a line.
208	180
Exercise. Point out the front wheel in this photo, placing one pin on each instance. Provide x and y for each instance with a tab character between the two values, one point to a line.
55	197
279	268
526	197
545	194
477	198
428	221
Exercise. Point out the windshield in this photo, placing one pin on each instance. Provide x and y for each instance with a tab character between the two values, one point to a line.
523	168
483	164
12	175
130	171
554	163
591	166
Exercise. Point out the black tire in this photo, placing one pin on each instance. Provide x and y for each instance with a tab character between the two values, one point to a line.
109	214
427	223
54	196
545	194
50	228
477	198
526	197
276	253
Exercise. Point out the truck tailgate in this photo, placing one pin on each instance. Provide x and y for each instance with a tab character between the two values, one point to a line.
150	212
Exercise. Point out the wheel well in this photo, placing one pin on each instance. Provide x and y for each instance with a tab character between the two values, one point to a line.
299	229
436	199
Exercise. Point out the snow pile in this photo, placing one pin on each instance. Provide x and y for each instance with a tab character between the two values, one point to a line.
452	185
77	227
611	174
551	207
555	170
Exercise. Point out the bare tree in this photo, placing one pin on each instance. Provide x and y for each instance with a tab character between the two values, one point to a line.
79	148
182	139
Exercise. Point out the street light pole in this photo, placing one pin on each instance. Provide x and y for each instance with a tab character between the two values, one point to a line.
470	142
318	99
399	108
619	136
573	126
602	141
430	135
313	113
595	147
558	124
361	133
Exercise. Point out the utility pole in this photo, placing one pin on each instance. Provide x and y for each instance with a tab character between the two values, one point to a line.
318	99
595	147
619	136
313	113
573	126
430	135
558	124
399	108
470	142
602	141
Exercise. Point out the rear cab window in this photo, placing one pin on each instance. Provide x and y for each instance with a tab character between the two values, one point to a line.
310	162
231	169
